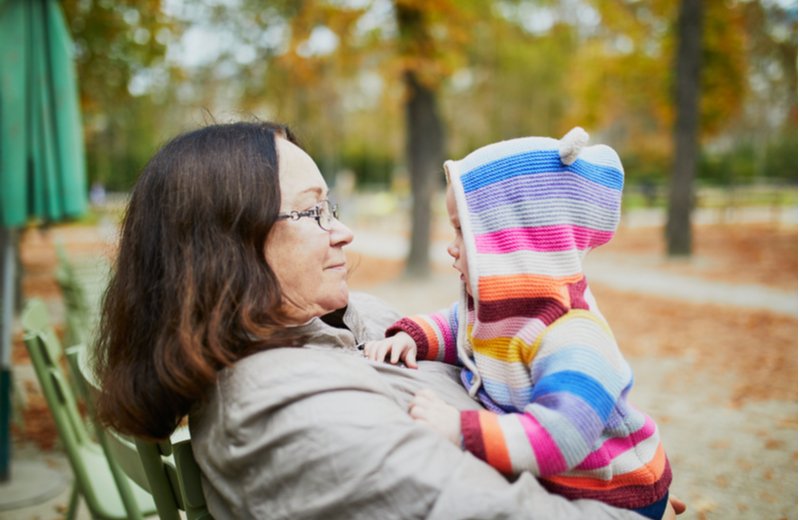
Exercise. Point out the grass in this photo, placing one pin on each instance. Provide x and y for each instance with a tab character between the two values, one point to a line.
718	197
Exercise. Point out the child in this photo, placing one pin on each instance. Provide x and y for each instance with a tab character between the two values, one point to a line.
536	351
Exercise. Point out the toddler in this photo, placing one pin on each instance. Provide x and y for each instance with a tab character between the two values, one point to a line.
534	347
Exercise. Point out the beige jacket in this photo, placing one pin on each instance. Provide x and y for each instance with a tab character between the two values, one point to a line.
320	432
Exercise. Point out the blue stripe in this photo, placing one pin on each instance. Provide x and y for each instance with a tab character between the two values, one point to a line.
536	162
585	387
586	360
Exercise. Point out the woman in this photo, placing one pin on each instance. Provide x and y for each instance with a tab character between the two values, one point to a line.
230	252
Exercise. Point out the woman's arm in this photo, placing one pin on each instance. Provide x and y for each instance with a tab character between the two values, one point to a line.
318	434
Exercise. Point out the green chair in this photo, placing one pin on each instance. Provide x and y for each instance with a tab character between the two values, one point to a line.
171	465
79	330
106	497
166	469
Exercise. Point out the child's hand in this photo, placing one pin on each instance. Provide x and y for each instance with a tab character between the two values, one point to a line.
399	346
428	408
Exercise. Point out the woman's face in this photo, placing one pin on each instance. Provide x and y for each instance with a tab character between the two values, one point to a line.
309	262
456	247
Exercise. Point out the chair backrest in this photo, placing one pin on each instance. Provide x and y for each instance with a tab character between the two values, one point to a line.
171	465
121	463
47	356
190	481
166	469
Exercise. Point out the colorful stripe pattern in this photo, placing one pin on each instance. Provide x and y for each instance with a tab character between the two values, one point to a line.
541	356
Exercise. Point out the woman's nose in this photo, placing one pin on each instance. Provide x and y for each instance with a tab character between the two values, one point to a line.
340	234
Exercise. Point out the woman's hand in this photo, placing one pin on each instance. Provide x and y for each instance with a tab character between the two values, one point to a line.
428	408
400	346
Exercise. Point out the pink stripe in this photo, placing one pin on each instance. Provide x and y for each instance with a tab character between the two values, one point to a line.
527	329
447	349
548	455
613	448
545	239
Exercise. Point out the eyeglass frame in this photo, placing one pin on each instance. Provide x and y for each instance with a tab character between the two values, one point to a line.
314	212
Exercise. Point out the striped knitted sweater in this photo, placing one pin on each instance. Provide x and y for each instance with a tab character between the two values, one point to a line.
535	348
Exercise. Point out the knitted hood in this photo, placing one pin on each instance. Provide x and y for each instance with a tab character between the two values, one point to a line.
530	210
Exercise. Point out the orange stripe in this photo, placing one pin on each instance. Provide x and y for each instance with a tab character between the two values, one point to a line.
646	475
433	346
493	288
494	442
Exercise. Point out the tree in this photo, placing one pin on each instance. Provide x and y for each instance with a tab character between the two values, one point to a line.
685	136
117	44
513	80
377	84
424	133
622	77
428	45
424	156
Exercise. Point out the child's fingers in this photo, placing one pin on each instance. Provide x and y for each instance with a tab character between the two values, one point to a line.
376	350
395	357
410	359
385	351
369	346
369	349
422	403
427	408
418	411
391	349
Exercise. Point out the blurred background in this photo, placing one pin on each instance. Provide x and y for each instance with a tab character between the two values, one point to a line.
698	98
712	96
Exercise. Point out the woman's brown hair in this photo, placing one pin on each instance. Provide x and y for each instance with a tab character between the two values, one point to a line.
191	292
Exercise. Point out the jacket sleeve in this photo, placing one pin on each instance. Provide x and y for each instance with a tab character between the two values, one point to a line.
435	334
578	377
318	435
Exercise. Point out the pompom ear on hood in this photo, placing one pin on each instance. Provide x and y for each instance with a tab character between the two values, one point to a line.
571	145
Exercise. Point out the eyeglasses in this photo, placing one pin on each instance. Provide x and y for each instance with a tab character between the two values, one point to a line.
323	213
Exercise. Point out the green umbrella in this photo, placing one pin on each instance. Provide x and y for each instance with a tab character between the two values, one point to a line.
42	168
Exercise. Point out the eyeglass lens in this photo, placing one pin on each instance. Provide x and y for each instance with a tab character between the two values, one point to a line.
327	212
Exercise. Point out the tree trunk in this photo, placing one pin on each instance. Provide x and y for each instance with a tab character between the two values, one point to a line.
685	137
424	130
424	156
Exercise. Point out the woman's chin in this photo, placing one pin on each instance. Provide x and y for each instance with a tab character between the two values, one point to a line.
339	301
344	297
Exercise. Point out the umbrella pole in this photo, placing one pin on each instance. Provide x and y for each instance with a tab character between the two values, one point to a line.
7	285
